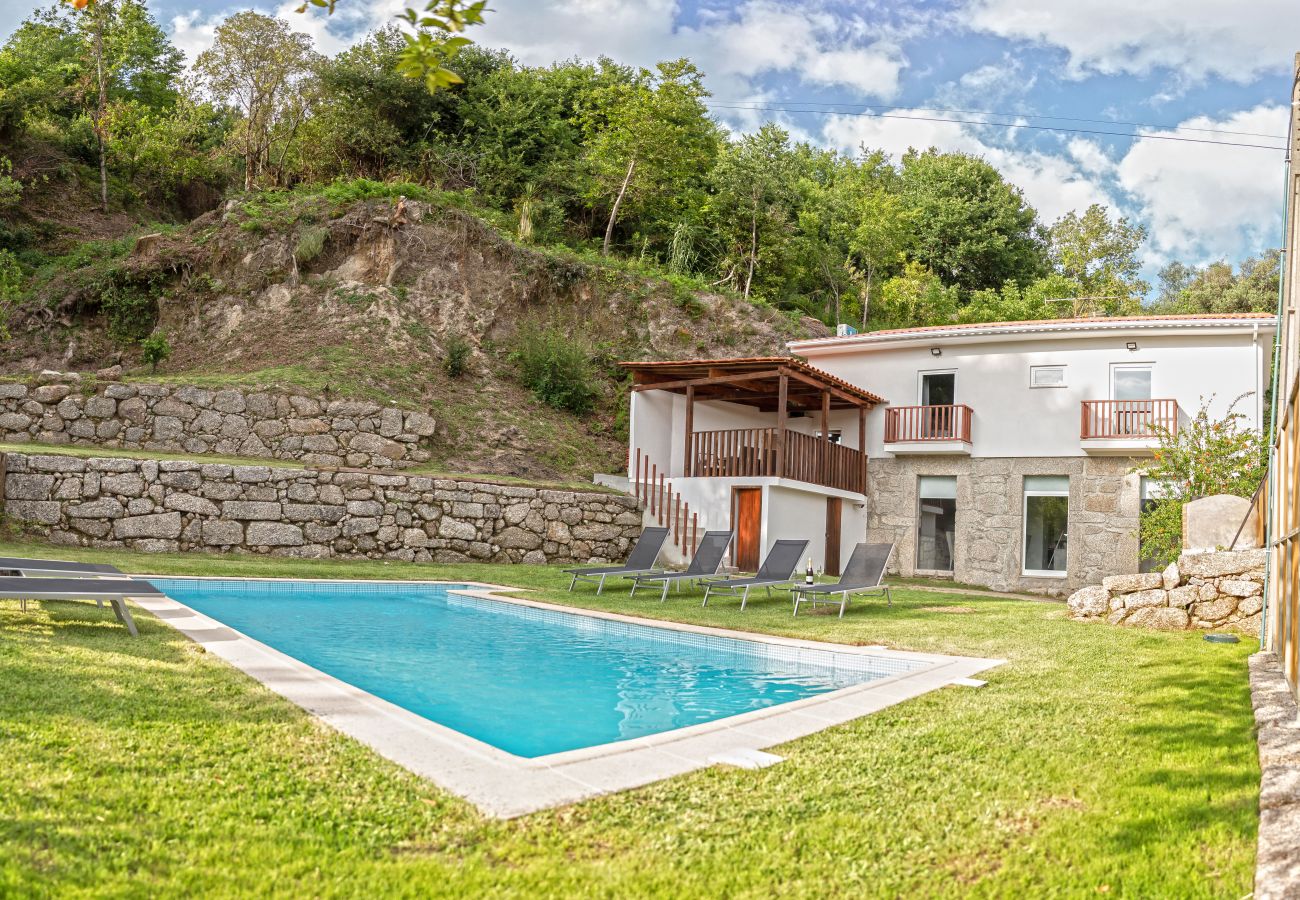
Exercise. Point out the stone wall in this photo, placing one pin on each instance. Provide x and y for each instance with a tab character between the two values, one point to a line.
1104	506
235	422
1200	590
169	506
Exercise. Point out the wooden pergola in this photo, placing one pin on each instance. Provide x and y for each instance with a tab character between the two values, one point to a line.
780	385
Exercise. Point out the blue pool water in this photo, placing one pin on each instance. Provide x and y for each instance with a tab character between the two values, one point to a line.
528	681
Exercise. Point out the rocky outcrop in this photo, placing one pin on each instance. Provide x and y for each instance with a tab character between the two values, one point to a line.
172	506
1200	590
235	422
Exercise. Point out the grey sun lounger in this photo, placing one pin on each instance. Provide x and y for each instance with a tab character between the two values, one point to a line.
24	566
864	572
640	561
113	590
707	560
777	569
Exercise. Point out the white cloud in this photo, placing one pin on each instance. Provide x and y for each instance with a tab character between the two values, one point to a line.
1204	202
1197	38
1052	184
193	33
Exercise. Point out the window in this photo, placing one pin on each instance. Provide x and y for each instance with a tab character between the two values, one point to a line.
1046	376
1131	408
1047	524
938	388
1130	382
936	522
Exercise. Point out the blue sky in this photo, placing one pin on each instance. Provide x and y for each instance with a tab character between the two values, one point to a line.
1173	65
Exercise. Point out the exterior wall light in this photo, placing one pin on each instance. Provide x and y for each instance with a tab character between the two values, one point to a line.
1132	346
935	351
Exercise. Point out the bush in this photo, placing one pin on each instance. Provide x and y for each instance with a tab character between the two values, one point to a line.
556	369
11	288
310	244
457	359
155	350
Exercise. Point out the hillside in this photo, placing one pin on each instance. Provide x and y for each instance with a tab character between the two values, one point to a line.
366	297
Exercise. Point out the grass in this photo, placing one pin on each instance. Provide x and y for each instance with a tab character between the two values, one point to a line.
1097	760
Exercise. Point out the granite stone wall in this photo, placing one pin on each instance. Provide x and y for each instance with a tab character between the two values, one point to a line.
186	419
1213	590
1104	506
170	506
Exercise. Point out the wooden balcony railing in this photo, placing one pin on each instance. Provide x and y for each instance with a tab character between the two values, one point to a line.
1126	418
927	423
755	452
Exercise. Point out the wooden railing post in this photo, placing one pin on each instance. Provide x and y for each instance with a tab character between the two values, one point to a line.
782	398
688	461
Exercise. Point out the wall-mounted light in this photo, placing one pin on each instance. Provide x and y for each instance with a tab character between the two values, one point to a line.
935	351
1132	346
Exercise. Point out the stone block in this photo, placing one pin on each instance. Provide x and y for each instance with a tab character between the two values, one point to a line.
313	512
1126	584
251	474
1216	565
374	444
157	525
456	529
420	424
1235	588
222	533
1162	618
172	408
251	509
273	534
189	503
1170	577
1216	609
133	410
229	401
168	429
127	484
120	391
10	391
41	512
515	538
1089	601
51	393
1183	597
101	407
1250	606
14	421
29	487
1152	597
103	508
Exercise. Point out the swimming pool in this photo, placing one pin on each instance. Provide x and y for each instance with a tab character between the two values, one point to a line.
525	680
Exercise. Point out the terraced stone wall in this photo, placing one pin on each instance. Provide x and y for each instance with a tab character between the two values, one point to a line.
60	409
171	506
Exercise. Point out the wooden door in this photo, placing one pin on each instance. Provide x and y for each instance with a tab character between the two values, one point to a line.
748	523
834	509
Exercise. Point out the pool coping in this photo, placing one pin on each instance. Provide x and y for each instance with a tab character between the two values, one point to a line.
504	785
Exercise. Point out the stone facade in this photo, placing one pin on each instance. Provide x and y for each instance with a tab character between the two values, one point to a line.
170	506
1103	519
229	421
1201	590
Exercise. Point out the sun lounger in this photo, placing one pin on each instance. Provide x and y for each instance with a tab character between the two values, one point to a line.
639	562
23	566
863	573
707	560
777	569
112	590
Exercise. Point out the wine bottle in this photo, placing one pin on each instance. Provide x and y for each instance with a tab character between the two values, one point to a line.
808	576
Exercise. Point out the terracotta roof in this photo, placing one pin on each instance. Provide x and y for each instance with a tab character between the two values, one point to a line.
689	368
1101	321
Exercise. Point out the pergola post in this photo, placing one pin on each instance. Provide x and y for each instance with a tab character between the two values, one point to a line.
782	397
688	458
862	443
826	434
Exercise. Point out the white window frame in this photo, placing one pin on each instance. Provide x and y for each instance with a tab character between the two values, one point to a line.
1024	533
1044	387
920	383
1119	367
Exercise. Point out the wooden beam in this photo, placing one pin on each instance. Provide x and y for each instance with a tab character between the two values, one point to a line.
688	461
703	382
782	396
821	385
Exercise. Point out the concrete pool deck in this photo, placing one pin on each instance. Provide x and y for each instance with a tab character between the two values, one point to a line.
503	785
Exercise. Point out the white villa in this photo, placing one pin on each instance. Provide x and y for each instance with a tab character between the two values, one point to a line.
1004	454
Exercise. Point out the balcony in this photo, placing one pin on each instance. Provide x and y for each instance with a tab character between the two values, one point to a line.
761	453
911	430
1125	427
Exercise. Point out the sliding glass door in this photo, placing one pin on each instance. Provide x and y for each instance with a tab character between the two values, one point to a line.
936	522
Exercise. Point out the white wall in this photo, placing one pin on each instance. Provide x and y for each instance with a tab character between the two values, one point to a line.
1012	419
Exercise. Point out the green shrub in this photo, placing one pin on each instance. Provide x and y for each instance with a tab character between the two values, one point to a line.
456	360
556	369
310	244
131	308
11	288
155	350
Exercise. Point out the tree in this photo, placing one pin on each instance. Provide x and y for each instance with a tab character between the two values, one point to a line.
754	203
256	63
1100	255
128	57
973	229
884	230
645	137
1217	289
1020	304
913	298
1206	456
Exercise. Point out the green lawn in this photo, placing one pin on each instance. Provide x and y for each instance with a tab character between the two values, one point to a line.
1097	760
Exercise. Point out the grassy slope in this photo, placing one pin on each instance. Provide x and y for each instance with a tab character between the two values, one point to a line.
1096	760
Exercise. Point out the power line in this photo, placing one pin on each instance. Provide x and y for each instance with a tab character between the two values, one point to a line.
1016	115
1122	134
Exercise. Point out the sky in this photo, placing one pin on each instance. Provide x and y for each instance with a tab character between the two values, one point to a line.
893	75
